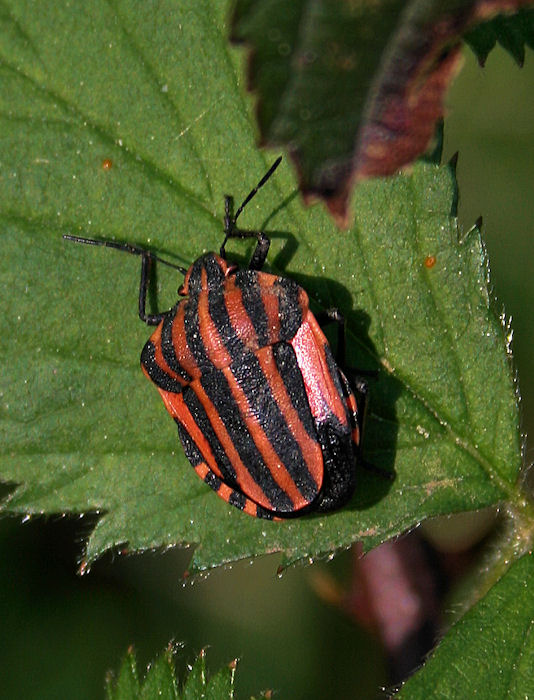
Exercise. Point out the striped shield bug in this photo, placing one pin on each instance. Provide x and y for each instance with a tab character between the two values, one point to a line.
265	415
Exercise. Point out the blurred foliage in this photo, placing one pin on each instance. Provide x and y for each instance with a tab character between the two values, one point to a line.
160	680
78	628
511	31
500	651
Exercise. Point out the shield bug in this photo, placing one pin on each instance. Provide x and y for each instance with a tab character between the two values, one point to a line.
266	416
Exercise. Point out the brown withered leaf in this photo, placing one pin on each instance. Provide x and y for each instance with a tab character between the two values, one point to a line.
354	89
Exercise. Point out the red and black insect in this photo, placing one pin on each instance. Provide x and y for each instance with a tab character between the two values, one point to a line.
266	416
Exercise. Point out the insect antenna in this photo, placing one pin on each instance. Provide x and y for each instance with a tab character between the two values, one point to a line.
126	247
258	186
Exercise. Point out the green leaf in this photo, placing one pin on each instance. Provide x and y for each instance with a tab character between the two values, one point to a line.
353	90
160	680
81	429
512	32
127	684
490	647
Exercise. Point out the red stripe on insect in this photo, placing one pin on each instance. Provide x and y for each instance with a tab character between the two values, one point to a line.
250	508
216	351
353	411
179	341
271	304
176	406
160	360
310	449
245	481
241	323
273	462
323	397
202	470
335	399
351	403
225	491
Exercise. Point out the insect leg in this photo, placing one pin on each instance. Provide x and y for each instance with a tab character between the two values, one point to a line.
146	261
334	315
356	392
357	404
149	319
